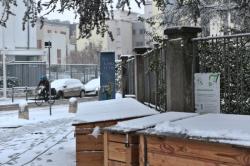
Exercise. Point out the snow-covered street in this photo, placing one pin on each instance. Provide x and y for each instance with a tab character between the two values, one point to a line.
42	140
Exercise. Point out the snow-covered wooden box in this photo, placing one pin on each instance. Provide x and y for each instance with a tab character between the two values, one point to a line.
92	117
121	143
212	140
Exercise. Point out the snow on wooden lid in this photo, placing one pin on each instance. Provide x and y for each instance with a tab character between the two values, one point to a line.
149	121
223	128
111	110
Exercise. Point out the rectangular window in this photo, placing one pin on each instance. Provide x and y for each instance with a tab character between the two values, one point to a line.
134	31
39	44
118	31
49	31
63	33
142	31
59	56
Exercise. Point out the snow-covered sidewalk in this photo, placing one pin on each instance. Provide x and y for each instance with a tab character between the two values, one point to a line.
43	140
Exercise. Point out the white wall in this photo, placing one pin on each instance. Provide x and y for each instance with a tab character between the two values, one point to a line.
59	41
14	37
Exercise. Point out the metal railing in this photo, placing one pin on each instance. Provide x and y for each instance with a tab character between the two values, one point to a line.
155	85
229	56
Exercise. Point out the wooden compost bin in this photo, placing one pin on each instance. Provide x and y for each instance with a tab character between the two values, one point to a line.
89	149
173	149
121	147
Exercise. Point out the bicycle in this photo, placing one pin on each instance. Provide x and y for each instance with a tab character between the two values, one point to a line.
41	98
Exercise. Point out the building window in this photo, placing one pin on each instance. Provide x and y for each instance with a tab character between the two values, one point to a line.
39	44
118	31
139	43
134	32
142	31
63	33
49	31
55	31
59	56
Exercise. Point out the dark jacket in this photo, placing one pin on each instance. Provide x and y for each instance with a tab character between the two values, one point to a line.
44	83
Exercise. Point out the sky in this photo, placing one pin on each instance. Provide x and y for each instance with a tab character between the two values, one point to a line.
69	16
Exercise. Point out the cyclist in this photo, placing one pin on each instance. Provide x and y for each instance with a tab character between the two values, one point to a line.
44	82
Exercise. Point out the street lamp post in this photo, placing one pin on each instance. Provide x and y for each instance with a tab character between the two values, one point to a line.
4	74
49	45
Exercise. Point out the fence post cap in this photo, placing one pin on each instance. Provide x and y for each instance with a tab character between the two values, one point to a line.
141	50
182	30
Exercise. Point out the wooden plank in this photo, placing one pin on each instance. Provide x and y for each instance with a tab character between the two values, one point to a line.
89	158
132	154
105	124
169	160
117	152
142	150
83	131
89	143
122	138
117	163
106	158
198	149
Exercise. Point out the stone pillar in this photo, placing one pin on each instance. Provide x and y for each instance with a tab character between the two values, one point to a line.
139	72
180	72
73	105
124	87
23	112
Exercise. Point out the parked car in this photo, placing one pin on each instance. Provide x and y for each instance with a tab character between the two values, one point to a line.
68	88
92	87
11	82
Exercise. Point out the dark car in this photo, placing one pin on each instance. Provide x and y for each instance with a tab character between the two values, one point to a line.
11	82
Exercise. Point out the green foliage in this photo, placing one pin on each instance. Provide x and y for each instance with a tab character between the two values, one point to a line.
230	57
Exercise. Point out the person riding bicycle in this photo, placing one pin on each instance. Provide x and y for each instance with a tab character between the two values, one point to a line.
44	82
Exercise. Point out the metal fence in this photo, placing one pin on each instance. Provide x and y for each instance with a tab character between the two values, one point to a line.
81	72
131	76
21	74
230	56
155	85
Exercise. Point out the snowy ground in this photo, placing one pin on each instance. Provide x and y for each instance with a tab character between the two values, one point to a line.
43	140
7	101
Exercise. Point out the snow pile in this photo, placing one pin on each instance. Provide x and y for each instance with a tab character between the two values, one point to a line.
22	106
224	128
96	132
150	121
111	110
73	100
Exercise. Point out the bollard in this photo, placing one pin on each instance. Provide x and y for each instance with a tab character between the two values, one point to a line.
12	95
26	93
72	105
23	112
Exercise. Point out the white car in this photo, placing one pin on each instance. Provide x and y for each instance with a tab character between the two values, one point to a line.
92	87
68	88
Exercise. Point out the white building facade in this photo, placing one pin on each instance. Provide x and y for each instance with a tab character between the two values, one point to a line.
19	44
57	32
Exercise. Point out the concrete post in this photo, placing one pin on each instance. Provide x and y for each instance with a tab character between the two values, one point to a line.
73	105
124	75
139	72
23	112
180	71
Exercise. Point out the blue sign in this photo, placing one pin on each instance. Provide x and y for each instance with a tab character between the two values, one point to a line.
107	77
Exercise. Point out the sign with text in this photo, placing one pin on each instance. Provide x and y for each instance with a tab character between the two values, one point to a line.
107	77
207	92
